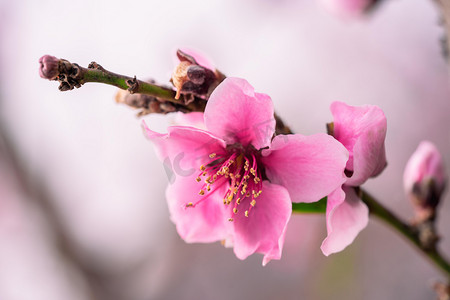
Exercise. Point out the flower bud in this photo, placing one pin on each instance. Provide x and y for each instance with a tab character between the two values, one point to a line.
424	180
48	67
194	75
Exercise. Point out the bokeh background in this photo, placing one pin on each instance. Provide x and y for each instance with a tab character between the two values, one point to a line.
82	208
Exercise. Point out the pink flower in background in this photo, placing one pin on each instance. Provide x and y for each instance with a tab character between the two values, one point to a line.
362	130
348	7
425	179
235	184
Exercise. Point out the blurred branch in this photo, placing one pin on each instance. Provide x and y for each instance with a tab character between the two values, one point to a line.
444	7
34	188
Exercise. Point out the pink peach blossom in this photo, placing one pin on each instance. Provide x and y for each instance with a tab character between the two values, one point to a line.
424	179
362	130
347	7
234	183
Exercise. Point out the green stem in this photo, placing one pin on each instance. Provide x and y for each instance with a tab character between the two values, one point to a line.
120	81
318	207
71	75
408	231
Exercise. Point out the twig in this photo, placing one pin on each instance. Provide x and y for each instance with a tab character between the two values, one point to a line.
412	233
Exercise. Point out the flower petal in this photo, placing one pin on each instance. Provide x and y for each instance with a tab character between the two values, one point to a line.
184	149
362	130
207	221
346	216
239	115
309	167
264	229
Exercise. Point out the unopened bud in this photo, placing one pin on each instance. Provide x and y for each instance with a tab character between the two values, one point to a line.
48	67
194	75
424	180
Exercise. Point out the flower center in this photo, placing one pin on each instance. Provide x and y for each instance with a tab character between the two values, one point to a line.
240	169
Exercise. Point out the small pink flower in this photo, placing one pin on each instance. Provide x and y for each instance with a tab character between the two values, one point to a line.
234	183
425	179
348	7
362	130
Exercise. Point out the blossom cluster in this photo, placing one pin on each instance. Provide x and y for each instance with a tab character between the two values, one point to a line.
237	179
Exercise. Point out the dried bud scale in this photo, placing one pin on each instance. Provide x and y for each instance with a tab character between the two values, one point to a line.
147	104
194	78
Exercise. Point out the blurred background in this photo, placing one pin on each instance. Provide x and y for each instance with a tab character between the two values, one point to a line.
82	207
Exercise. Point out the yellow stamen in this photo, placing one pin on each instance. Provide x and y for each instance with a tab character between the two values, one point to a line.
246	213
253	203
202	192
235	210
212	155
